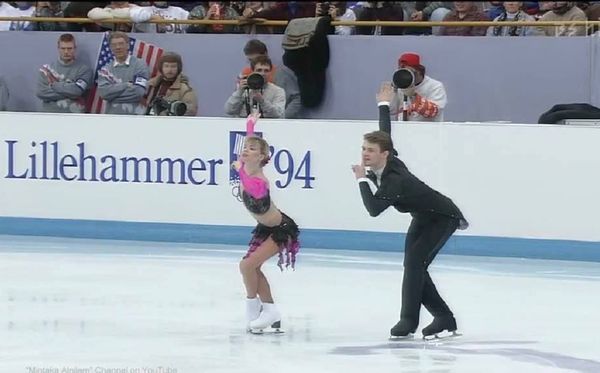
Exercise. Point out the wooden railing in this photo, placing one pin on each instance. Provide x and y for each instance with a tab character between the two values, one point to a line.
265	22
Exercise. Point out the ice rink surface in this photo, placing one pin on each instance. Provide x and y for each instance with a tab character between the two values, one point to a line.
75	305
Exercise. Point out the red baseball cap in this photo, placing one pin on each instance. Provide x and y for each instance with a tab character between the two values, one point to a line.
410	59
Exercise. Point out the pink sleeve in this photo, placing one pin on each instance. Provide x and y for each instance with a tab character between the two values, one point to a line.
255	186
250	122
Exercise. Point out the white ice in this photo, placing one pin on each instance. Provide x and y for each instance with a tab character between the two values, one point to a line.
74	305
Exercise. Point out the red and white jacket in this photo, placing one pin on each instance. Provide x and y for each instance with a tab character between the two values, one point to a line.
426	106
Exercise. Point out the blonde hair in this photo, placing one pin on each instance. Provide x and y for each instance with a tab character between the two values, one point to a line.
264	147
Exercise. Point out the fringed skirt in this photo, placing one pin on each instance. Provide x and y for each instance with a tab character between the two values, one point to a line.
285	236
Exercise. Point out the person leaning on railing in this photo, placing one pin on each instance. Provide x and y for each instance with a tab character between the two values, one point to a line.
49	9
114	10
275	11
563	11
422	11
217	10
338	11
158	11
379	11
464	11
512	12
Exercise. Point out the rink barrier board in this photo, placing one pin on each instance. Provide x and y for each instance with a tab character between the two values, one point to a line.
310	238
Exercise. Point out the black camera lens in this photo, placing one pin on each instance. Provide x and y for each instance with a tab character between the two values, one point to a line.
403	78
255	81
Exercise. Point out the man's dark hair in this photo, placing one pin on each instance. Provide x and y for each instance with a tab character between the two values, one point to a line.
383	139
263	60
66	38
255	46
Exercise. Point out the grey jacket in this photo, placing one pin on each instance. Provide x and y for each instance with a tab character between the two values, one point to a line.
4	96
123	86
272	105
62	87
286	79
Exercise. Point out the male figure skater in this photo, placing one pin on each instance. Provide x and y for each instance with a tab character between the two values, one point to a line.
435	218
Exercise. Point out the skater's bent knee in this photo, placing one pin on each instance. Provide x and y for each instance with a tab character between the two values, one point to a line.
247	265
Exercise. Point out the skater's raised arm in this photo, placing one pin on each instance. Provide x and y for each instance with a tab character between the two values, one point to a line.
384	97
251	122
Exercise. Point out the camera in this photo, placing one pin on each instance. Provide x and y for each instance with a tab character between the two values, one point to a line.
255	81
323	8
403	78
173	108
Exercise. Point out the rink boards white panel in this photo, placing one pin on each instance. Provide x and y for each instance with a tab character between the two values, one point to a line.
510	180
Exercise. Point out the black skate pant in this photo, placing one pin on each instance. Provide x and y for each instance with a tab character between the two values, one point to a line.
426	235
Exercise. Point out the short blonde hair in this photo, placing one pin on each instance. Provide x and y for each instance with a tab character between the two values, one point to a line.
264	147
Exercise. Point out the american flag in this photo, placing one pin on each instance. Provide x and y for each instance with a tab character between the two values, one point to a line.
142	50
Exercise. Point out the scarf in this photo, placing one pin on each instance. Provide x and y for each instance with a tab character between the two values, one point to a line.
512	30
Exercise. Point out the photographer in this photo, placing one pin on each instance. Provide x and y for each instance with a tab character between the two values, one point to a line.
337	11
169	93
425	97
256	93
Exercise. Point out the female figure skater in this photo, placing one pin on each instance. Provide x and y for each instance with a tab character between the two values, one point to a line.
276	233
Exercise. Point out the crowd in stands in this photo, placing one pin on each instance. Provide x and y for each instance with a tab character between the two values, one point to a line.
126	86
247	13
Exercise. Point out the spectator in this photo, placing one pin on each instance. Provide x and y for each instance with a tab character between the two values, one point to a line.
238	6
426	98
592	13
563	11
465	11
282	76
114	10
417	11
276	11
543	8
379	11
62	85
49	9
172	85
216	10
23	9
80	10
512	13
159	11
531	7
6	10
4	95
122	82
494	9
187	5
337	11
269	99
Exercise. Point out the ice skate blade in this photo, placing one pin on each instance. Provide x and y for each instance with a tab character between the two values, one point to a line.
442	335
267	331
408	337
275	328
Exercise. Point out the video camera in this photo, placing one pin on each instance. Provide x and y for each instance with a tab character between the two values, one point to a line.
173	108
